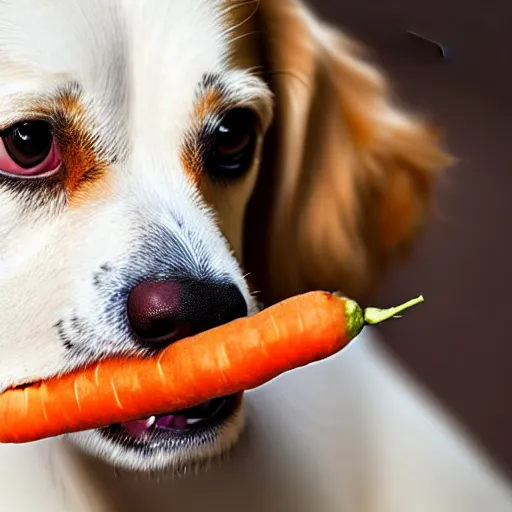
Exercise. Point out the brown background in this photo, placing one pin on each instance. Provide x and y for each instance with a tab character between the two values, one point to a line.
461	347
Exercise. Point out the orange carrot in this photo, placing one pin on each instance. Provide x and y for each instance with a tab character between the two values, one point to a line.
231	358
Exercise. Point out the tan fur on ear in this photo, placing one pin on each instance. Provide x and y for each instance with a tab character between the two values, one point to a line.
346	176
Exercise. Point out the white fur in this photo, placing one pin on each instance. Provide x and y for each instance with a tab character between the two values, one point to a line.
138	66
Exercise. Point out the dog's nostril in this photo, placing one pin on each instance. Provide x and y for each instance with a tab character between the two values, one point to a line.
154	312
164	312
159	329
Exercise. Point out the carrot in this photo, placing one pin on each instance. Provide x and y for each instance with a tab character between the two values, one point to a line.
231	358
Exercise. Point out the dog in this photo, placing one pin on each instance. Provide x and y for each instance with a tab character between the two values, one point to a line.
166	167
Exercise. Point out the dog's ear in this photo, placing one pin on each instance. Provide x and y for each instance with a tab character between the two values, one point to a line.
346	174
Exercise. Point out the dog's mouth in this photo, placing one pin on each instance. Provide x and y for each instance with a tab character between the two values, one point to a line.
186	419
163	430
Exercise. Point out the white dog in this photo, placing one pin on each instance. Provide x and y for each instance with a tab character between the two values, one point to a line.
153	153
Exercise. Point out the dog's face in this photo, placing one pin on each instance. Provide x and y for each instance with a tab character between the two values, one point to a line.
134	175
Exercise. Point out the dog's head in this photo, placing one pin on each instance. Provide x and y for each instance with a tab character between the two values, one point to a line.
152	150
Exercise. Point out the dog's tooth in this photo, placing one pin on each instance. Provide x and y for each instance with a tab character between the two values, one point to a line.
193	421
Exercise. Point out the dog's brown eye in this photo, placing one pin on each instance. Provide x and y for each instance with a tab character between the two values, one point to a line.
29	143
232	148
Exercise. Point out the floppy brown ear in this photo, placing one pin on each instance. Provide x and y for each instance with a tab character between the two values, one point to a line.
346	174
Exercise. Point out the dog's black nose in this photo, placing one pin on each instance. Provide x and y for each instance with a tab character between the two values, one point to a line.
162	312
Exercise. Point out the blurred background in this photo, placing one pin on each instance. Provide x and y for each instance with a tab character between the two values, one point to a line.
462	349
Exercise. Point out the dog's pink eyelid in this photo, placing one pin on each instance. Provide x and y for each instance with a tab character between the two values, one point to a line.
47	167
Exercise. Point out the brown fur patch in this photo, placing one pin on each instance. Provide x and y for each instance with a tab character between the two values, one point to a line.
399	212
347	173
210	102
192	162
191	156
74	132
92	189
81	161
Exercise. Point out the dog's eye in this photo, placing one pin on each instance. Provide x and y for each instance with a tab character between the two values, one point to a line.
28	148
29	143
232	148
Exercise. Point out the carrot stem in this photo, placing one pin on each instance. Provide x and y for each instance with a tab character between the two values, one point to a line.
374	316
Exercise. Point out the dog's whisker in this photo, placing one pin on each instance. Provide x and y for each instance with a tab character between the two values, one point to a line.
244	21
233	40
256	70
238	5
291	74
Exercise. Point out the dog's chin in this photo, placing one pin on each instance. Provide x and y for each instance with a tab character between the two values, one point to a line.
187	439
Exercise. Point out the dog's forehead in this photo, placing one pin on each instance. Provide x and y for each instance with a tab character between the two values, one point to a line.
62	36
154	52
